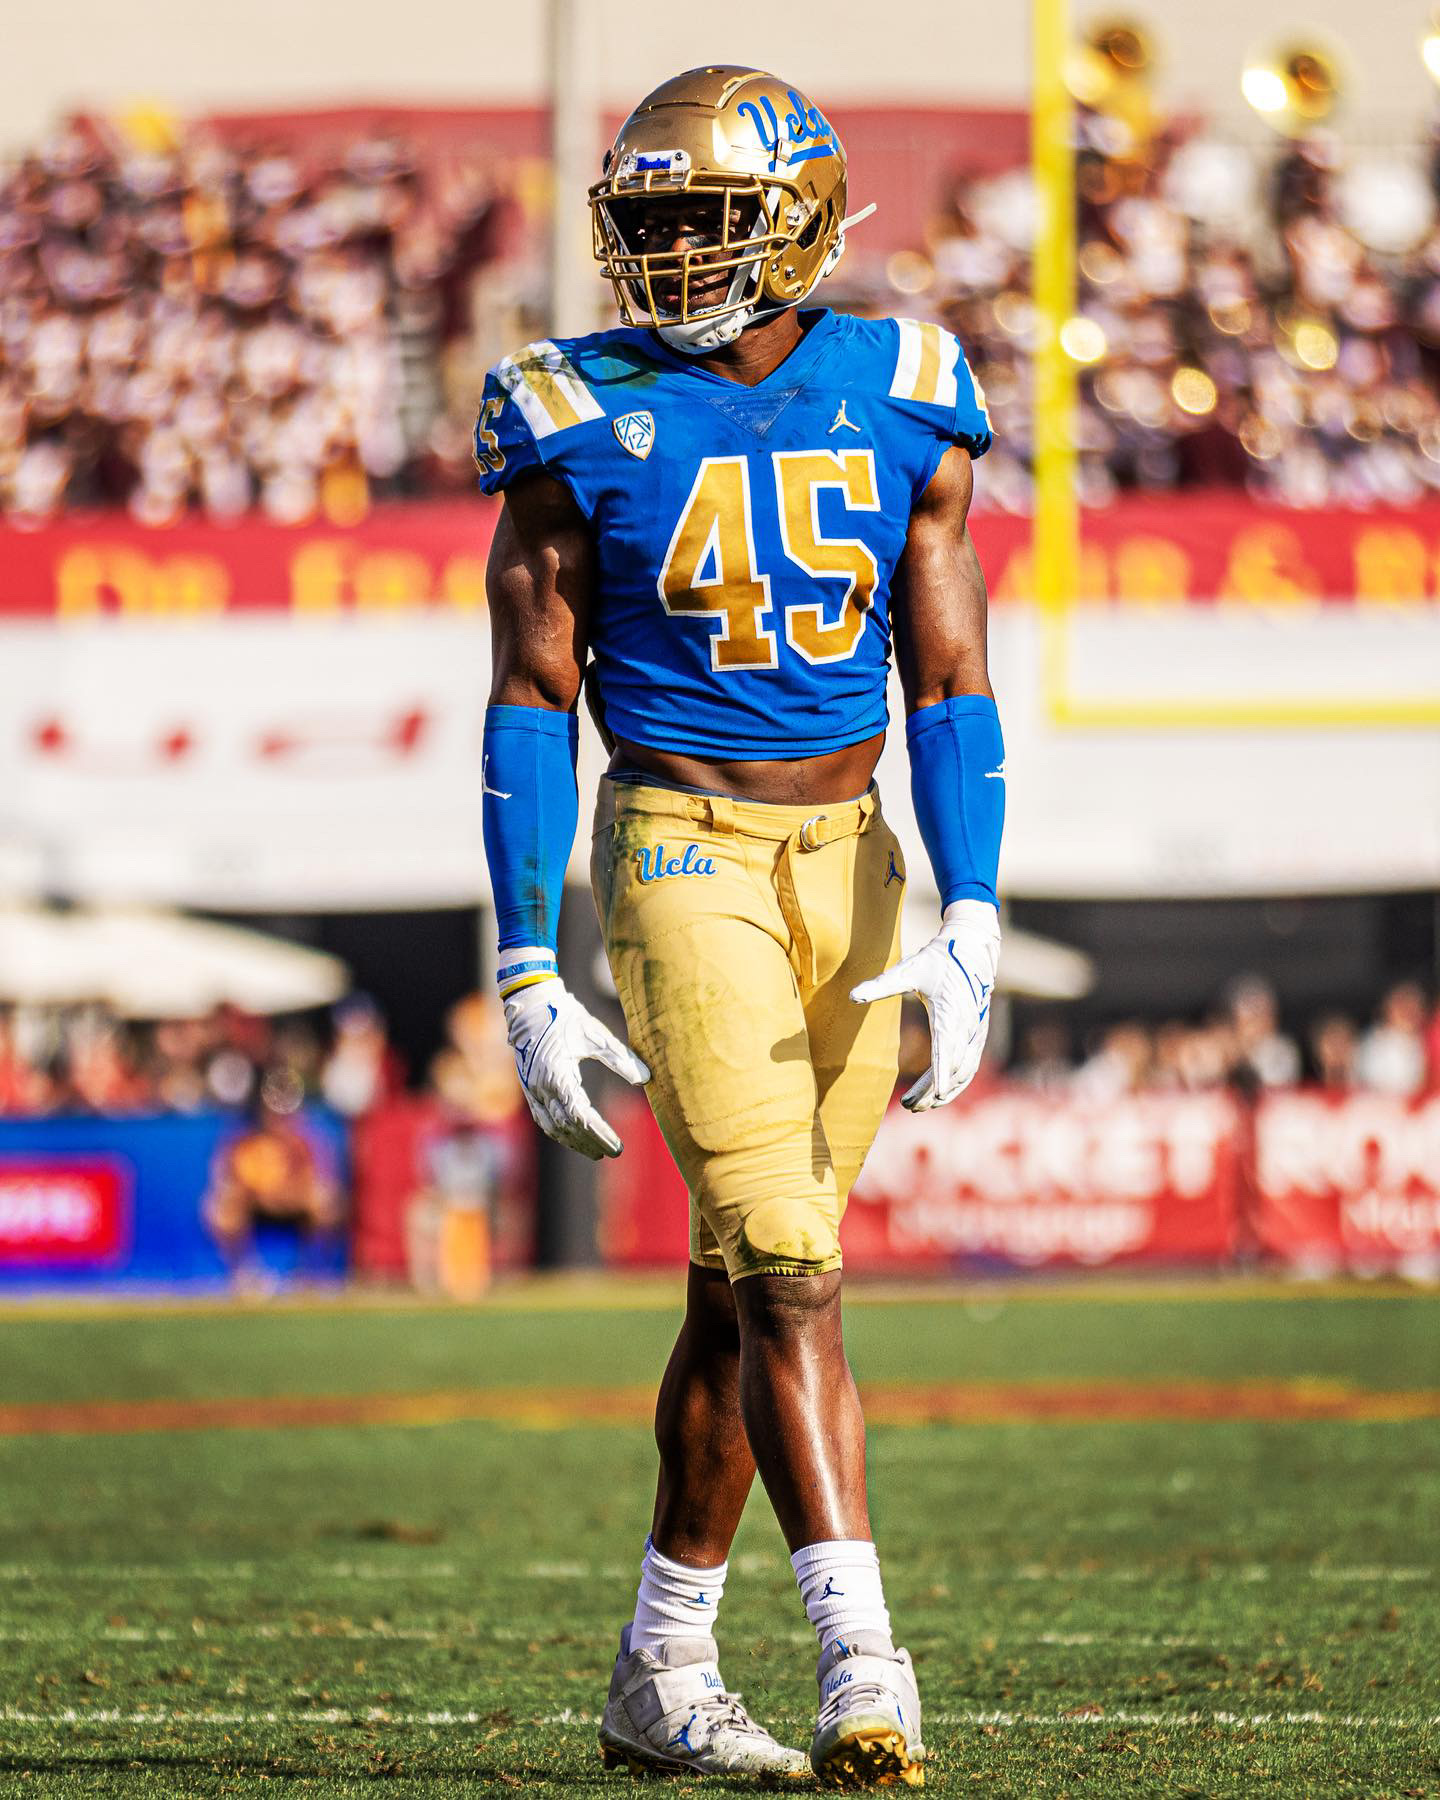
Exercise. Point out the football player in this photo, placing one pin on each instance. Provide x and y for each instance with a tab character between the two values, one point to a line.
732	509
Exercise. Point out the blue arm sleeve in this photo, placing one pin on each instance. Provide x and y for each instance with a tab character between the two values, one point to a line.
531	806
957	780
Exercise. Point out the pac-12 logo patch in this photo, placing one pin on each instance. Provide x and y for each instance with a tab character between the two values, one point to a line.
636	432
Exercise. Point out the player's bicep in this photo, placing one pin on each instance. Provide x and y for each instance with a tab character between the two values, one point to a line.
539	582
940	605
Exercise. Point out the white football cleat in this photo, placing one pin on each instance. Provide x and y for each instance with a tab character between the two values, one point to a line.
677	1715
868	1732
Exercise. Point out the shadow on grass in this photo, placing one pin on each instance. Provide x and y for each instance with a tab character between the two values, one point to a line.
477	1775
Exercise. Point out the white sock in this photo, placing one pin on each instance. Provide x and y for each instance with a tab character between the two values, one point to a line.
840	1585
675	1601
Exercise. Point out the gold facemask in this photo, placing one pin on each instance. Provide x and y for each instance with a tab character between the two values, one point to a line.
757	177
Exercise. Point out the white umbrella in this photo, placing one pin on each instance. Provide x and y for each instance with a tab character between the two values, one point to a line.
1041	969
154	965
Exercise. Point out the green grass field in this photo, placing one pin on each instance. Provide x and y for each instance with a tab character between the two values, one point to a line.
1158	1606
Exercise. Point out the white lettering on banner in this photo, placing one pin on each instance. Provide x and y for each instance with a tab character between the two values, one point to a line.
1009	1149
1306	1143
33	1208
1405	1224
1022	1233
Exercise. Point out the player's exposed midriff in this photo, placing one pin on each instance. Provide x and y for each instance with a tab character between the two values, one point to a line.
837	775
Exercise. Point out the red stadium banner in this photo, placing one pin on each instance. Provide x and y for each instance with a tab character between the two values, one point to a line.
1009	1178
1223	547
1035	1182
401	558
1208	548
55	1210
1348	1181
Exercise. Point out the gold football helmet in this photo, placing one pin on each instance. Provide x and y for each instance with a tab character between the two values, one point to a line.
722	202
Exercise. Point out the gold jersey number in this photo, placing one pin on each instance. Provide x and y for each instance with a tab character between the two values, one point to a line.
709	569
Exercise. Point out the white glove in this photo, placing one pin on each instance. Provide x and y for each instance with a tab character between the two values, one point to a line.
552	1034
954	975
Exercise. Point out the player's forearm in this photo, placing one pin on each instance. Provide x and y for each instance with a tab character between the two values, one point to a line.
531	807
944	643
957	781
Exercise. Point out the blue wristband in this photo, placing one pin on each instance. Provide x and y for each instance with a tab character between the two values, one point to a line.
957	781
531	807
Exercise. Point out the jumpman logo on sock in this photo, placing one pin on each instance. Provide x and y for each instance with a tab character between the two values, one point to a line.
831	1591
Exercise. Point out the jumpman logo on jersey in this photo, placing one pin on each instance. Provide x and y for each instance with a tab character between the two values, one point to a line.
831	1591
842	419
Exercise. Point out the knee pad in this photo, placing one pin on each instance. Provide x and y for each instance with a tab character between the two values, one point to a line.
790	1237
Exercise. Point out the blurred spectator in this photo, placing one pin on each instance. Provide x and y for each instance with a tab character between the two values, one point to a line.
1333	1045
1392	1057
1261	1051
476	1161
1121	1065
269	1174
1044	1059
361	1069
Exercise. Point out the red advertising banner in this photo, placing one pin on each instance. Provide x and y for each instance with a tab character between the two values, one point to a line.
400	558
1206	547
1030	1181
1348	1181
1008	1178
63	1211
1223	547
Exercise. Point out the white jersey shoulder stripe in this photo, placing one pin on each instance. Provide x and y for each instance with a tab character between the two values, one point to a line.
548	389
925	365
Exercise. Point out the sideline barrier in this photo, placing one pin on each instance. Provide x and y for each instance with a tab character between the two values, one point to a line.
1011	1179
96	1201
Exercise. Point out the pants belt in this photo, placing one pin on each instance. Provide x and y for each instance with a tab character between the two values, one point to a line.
747	818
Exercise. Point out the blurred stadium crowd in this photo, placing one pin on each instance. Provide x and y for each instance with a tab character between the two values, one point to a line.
203	326
84	1060
226	328
1234	327
1242	1045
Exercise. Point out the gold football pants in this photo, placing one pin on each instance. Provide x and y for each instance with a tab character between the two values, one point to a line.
735	932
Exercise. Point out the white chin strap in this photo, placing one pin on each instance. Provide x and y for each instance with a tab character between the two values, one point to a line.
700	336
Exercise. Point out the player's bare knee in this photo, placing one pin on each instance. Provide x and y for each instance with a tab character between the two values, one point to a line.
790	1306
710	1311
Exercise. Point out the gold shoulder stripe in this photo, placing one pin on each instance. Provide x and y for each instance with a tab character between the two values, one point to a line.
926	363
547	388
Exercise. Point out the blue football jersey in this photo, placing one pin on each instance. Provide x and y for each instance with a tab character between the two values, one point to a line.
745	536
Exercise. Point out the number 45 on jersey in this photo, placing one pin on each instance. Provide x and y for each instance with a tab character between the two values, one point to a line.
709	568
